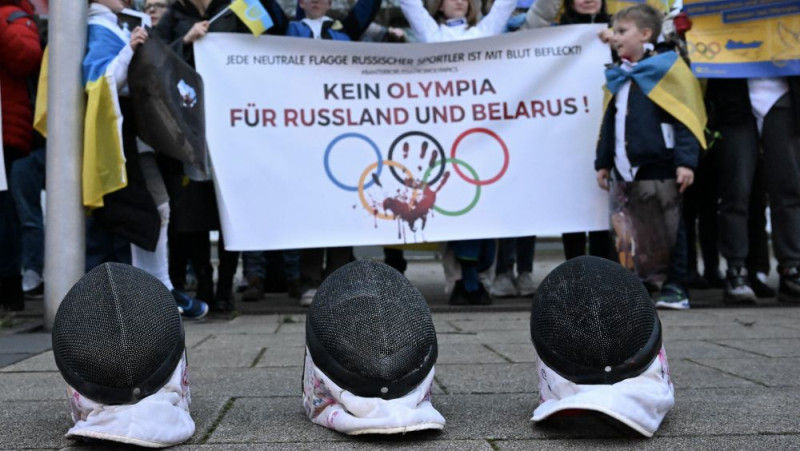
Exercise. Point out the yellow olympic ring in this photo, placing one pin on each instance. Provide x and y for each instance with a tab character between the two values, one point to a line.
364	177
708	51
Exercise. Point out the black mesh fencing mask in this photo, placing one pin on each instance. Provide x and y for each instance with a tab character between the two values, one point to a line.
593	322
117	335
370	331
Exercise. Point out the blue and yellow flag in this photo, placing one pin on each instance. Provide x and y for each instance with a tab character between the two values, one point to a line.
253	14
669	83
103	158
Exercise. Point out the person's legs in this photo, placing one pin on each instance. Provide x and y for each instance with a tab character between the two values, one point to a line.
291	269
600	244
254	264
757	262
574	244
228	262
26	183
311	263
526	246
11	296
736	159
782	162
395	259
503	284
336	257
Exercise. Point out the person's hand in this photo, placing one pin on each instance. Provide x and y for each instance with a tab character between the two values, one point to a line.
605	35
395	34
138	37
602	178
685	177
198	30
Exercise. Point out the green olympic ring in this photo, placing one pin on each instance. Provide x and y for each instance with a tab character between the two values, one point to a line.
474	176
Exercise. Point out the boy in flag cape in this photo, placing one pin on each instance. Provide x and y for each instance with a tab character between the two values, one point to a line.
122	184
653	127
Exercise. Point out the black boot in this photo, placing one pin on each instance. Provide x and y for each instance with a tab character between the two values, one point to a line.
11	296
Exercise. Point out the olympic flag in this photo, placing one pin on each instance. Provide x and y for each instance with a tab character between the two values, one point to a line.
323	143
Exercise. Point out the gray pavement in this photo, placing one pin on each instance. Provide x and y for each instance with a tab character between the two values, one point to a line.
735	371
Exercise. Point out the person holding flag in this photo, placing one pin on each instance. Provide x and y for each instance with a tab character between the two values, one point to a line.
122	184
182	24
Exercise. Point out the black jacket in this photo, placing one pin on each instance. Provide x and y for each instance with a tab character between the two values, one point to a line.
728	101
644	139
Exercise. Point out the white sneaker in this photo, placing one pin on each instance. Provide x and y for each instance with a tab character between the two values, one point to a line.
503	286
307	297
31	282
525	284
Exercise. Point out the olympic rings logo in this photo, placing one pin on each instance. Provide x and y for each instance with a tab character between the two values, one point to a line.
707	50
418	178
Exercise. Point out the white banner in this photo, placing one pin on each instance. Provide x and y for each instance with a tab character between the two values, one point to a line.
322	143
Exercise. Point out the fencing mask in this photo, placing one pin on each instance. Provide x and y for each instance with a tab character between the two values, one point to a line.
118	342
598	341
370	353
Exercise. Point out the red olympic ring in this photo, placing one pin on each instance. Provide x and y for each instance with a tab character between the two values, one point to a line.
493	135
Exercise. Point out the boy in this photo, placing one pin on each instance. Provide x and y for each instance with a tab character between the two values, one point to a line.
647	135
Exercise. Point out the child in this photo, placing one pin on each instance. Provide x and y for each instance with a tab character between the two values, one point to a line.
312	21
140	207
455	20
644	135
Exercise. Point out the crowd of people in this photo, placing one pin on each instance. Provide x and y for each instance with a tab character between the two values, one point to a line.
725	184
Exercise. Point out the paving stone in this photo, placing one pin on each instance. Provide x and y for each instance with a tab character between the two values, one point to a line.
231	382
729	331
480	324
25	343
516	353
10	359
230	358
698	349
451	353
35	424
277	356
690	374
32	387
33	363
771	347
750	443
772	372
487	378
232	341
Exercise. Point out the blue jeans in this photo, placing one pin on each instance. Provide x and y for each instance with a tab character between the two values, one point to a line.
475	256
254	264
26	185
103	246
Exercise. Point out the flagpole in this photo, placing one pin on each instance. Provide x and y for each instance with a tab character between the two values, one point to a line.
219	14
65	230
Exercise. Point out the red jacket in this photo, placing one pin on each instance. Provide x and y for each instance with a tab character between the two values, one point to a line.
20	57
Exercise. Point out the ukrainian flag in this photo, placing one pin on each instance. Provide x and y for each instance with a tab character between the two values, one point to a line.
253	14
666	80
103	158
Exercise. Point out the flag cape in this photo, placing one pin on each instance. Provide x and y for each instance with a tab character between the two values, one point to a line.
669	83
103	159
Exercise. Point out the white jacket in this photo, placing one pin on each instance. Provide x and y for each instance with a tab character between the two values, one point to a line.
426	29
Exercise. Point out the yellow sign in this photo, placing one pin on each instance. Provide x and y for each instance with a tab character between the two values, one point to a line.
744	38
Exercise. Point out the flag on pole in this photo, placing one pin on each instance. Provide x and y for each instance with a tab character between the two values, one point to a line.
253	14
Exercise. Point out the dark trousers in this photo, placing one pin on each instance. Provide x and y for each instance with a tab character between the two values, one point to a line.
317	263
599	244
700	203
737	161
515	250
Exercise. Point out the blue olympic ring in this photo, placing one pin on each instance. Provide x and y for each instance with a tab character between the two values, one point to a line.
328	168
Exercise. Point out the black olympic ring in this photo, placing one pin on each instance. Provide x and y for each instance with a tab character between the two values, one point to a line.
708	51
442	156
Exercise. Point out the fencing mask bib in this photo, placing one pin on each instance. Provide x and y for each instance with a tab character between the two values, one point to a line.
118	341
598	341
370	353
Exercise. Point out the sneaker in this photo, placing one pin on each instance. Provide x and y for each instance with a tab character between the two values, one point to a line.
737	287
255	289
189	307
672	297
307	297
503	286
758	283
32	283
525	284
789	289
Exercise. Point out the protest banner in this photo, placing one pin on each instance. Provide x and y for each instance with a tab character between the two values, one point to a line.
323	143
3	181
744	38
